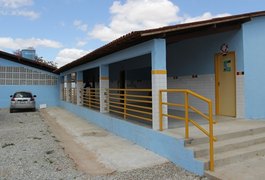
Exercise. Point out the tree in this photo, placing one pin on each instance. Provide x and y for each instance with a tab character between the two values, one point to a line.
41	60
17	52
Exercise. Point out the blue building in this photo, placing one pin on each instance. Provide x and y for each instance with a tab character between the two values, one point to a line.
216	66
22	74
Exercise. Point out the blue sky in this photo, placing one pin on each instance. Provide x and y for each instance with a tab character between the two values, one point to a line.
63	30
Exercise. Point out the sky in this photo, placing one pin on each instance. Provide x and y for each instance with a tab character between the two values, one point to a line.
64	30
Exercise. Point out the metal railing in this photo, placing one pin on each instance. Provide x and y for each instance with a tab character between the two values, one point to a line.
133	103
188	108
91	98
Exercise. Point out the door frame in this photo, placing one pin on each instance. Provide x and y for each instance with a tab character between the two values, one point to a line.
217	95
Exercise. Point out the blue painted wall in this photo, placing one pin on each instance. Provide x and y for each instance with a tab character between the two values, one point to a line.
164	145
46	94
254	49
196	55
79	76
104	71
159	61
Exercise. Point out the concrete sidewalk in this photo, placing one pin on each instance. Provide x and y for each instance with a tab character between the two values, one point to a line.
252	169
95	150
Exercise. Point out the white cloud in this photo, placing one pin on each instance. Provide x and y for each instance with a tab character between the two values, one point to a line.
204	16
81	43
136	15
62	24
16	8
30	14
80	25
15	3
105	33
67	55
142	14
10	43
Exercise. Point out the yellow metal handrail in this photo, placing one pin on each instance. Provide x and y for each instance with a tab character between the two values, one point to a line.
91	97
136	103
186	118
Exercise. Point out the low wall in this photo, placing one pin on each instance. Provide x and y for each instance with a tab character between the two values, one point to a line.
46	94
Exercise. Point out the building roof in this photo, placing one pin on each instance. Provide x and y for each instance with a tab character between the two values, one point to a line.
27	62
172	34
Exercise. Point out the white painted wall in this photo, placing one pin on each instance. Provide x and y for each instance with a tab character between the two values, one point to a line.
203	85
240	96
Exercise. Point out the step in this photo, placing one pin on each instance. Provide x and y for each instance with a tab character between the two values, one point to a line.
249	169
201	150
236	155
221	137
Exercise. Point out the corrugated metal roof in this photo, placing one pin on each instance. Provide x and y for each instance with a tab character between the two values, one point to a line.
28	62
179	32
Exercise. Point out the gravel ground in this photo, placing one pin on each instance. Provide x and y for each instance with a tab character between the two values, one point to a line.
166	171
29	150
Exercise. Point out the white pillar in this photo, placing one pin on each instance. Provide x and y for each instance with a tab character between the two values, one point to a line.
61	81
159	81
79	88
104	86
68	88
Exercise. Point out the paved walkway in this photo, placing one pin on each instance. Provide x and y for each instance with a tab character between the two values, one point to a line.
95	150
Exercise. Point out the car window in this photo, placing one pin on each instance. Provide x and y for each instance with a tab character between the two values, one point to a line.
23	95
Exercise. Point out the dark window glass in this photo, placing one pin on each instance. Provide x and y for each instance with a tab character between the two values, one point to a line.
22	95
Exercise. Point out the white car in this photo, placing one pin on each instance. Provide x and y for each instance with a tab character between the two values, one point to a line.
22	100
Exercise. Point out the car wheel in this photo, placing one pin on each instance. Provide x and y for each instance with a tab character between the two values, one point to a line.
11	110
34	109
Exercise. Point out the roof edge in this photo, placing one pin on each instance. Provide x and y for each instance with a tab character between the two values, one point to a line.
120	43
28	62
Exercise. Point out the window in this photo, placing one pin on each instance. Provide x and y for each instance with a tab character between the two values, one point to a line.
24	76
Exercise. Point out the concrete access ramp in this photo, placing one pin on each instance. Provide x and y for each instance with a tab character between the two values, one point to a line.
95	150
170	147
